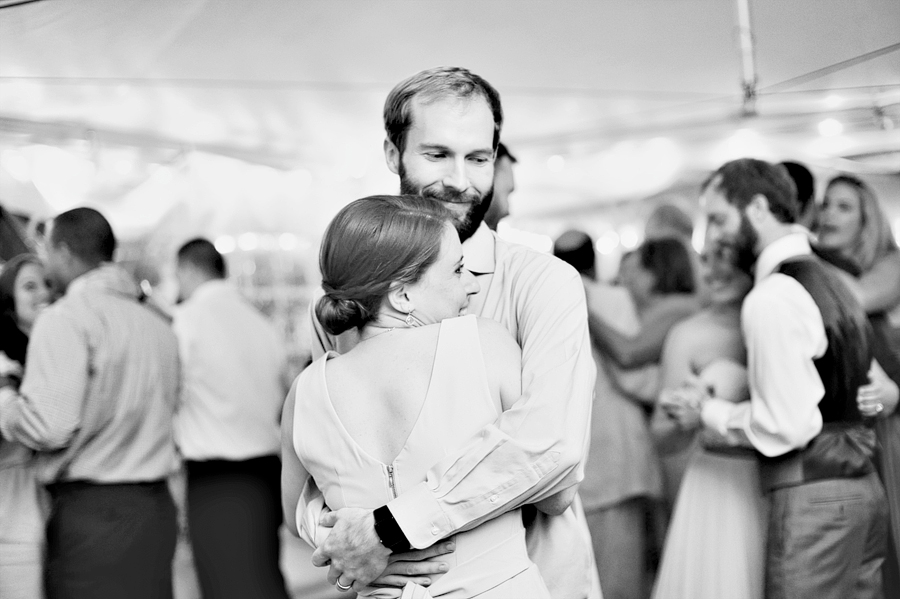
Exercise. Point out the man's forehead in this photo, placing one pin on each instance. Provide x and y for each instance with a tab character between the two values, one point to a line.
713	200
428	114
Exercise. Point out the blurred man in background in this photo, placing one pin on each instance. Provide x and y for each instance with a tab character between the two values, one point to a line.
504	185
97	403
227	428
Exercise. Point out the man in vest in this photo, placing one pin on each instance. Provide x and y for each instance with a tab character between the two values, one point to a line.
808	354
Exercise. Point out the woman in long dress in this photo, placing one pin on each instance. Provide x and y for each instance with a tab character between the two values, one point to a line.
23	294
716	539
368	424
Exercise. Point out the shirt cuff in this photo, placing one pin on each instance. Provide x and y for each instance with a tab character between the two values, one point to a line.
420	517
715	415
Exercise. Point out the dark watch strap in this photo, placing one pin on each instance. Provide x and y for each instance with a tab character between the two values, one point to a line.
389	531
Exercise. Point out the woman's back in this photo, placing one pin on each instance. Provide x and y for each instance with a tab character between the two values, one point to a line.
369	429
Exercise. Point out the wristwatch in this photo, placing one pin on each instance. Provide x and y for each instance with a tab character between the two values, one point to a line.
389	532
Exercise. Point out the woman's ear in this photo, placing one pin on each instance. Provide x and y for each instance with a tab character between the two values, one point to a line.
399	299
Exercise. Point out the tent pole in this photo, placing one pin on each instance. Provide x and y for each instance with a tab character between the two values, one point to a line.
748	63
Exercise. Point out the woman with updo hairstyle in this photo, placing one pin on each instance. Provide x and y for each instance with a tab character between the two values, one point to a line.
423	378
370	246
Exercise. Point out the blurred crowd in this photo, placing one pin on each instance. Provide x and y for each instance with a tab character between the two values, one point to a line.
743	435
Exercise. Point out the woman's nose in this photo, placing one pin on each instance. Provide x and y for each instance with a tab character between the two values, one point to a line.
471	284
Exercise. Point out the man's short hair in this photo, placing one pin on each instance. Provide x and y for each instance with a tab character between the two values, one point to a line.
804	182
740	180
203	255
576	248
432	85
503	152
86	233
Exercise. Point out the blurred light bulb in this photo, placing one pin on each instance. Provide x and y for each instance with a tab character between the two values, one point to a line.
830	128
607	243
225	244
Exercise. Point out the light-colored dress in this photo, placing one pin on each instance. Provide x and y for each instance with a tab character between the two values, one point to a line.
490	561
23	508
22	516
715	547
622	462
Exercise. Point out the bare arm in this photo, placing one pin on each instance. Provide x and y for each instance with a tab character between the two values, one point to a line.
294	476
878	289
645	347
676	367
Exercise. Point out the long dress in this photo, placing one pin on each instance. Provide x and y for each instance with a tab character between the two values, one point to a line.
490	561
715	546
23	501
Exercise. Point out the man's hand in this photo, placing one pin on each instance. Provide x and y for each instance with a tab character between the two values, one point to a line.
353	550
411	567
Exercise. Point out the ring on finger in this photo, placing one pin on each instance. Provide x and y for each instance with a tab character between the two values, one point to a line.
341	587
879	407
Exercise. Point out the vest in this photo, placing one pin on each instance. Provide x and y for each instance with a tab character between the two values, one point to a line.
844	447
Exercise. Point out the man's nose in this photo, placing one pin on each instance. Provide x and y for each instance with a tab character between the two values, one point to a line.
456	176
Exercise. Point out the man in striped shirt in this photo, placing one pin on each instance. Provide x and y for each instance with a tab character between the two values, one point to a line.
96	403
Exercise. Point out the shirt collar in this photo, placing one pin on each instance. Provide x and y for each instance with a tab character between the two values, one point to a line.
795	243
478	251
108	277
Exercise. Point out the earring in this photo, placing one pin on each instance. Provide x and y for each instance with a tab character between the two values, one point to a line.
409	319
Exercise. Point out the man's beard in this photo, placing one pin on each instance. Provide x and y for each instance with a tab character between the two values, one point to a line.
465	225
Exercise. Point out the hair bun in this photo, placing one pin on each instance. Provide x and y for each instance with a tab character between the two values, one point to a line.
337	315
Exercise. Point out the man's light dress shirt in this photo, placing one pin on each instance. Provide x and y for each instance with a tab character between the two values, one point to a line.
537	447
233	367
784	333
100	386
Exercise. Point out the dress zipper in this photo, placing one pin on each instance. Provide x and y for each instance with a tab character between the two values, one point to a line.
390	470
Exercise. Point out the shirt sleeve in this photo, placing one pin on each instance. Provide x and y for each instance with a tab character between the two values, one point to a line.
536	448
46	413
784	333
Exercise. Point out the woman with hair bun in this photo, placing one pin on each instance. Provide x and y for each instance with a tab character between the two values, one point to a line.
366	425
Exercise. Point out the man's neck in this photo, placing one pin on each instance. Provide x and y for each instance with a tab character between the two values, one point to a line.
773	233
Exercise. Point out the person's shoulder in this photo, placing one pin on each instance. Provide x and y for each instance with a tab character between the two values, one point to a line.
529	264
491	329
777	297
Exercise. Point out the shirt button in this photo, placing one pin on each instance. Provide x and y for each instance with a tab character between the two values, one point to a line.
493	498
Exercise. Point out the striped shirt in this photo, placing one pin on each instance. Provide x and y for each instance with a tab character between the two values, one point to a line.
100	386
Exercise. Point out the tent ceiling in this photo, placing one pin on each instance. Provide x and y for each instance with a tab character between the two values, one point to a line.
300	85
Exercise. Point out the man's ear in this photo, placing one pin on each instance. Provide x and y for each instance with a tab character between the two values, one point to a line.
392	156
758	208
399	299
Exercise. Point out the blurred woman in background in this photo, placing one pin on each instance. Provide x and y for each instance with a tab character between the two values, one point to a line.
715	543
23	294
855	235
660	278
